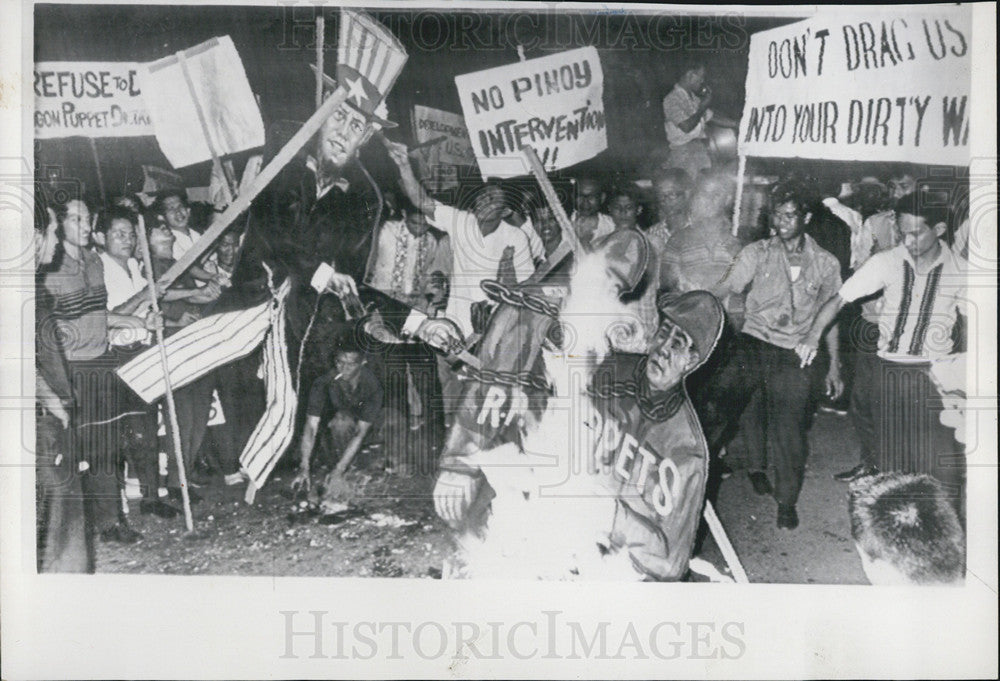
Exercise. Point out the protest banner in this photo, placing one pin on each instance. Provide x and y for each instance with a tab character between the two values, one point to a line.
432	124
889	85
442	144
205	89
89	99
554	104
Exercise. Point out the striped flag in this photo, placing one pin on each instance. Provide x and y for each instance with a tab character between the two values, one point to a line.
369	58
217	340
275	429
199	348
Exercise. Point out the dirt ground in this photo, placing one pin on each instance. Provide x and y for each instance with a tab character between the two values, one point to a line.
398	534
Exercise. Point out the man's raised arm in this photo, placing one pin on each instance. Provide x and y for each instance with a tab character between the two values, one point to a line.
411	186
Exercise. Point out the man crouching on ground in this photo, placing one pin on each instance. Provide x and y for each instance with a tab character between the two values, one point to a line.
355	394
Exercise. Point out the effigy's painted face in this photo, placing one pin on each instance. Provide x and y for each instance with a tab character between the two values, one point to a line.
671	356
342	135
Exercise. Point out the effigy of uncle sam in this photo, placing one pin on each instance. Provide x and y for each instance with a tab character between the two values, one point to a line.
369	59
304	231
570	462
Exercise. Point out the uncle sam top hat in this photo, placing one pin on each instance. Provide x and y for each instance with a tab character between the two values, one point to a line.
369	59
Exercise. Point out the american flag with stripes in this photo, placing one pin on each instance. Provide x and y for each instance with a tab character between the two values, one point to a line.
217	340
369	59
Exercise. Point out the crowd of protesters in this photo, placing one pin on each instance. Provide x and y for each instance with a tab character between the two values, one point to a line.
838	286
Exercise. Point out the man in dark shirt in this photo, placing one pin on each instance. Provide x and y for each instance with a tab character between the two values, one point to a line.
355	394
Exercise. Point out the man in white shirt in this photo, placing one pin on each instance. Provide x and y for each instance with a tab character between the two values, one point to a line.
408	254
685	113
483	244
590	224
123	277
173	208
872	231
922	284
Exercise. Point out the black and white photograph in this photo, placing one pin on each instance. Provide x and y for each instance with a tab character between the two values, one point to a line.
499	339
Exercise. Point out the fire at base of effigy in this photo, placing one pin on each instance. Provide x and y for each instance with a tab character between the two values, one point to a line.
553	513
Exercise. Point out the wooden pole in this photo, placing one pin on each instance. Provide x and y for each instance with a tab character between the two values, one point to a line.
242	202
738	202
175	431
320	39
97	166
549	191
722	540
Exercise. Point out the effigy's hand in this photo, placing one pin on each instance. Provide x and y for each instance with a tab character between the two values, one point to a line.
342	284
441	333
453	494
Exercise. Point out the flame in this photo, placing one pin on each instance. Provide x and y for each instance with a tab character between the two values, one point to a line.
552	515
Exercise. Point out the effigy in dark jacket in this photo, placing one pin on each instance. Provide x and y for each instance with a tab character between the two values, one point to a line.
293	230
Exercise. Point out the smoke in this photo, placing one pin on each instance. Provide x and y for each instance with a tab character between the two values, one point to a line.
553	510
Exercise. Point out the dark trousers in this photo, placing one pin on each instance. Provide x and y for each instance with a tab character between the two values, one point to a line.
97	436
777	417
63	544
111	425
865	403
719	390
193	402
137	439
241	394
909	435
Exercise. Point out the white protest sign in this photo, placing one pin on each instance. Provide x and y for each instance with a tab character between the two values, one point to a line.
208	77
888	84
89	99
555	104
442	144
433	124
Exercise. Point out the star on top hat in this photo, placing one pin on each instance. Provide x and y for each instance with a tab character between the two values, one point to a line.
369	59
